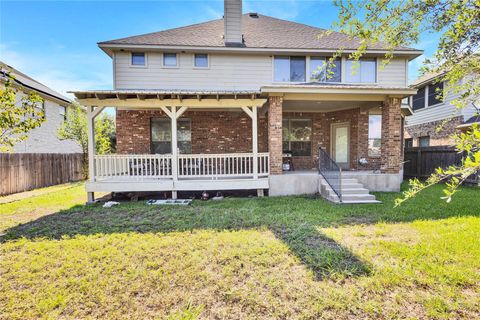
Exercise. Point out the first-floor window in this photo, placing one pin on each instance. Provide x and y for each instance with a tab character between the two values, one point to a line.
161	132
374	134
297	136
409	143
424	141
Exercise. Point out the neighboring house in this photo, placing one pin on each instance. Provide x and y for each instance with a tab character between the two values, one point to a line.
42	139
430	112
231	103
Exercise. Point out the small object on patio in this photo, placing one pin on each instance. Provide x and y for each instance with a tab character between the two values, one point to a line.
363	161
219	196
109	204
205	195
182	202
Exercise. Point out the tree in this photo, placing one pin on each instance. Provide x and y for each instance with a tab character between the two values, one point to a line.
394	24
75	128
18	118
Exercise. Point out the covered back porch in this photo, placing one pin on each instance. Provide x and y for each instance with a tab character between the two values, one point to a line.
193	141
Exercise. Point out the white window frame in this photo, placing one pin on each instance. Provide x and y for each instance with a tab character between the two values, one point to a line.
176	59
366	58
139	65
208	61
307	61
427	92
340	61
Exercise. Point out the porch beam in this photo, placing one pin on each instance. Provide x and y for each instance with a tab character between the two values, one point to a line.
157	103
96	111
181	111
248	111
167	112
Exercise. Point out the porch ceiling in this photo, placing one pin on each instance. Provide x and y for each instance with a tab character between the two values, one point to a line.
326	106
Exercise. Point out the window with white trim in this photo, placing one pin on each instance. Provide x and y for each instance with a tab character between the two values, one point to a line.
374	134
361	71
435	93
161	133
297	136
201	60
63	112
170	60
138	59
289	69
319	72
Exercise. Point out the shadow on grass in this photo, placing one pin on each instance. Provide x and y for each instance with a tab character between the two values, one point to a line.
293	220
322	255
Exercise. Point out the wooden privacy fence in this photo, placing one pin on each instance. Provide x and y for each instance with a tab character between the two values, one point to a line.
420	162
26	171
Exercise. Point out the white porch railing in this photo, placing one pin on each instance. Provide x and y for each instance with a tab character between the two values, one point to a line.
133	165
189	166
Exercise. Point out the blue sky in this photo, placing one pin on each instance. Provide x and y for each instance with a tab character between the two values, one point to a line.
55	41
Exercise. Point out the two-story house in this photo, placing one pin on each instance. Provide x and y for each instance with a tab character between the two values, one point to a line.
435	117
43	139
232	103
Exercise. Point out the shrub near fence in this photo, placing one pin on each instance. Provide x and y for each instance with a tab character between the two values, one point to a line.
26	171
421	162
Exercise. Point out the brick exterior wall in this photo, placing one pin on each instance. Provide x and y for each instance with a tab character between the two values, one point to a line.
437	138
231	131
275	105
212	132
392	153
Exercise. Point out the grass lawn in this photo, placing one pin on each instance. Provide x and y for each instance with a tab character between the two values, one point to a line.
271	258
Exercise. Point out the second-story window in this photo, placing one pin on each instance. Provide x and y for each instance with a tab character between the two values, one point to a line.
170	60
63	112
289	69
320	73
201	60
138	59
418	100
361	71
435	93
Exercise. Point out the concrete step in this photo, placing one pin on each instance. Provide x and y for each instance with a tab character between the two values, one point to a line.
352	185
357	197
354	191
360	201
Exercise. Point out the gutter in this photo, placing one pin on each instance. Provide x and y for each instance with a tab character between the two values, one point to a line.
109	48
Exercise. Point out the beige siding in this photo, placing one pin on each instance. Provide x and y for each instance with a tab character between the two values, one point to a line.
438	112
393	74
225	72
241	72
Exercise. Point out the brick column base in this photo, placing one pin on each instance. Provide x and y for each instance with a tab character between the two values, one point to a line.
275	134
391	136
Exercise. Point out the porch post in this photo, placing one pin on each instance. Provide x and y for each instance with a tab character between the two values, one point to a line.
275	106
255	141
174	150
91	150
391	155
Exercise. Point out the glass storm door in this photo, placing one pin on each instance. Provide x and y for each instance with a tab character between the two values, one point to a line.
341	144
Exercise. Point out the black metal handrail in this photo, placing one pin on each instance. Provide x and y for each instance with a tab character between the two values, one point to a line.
331	172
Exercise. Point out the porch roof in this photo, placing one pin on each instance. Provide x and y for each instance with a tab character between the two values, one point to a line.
143	94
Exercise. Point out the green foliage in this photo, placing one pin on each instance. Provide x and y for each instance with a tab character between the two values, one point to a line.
393	24
75	128
18	118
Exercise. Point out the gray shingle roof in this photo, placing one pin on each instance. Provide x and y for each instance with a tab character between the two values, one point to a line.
258	32
30	83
